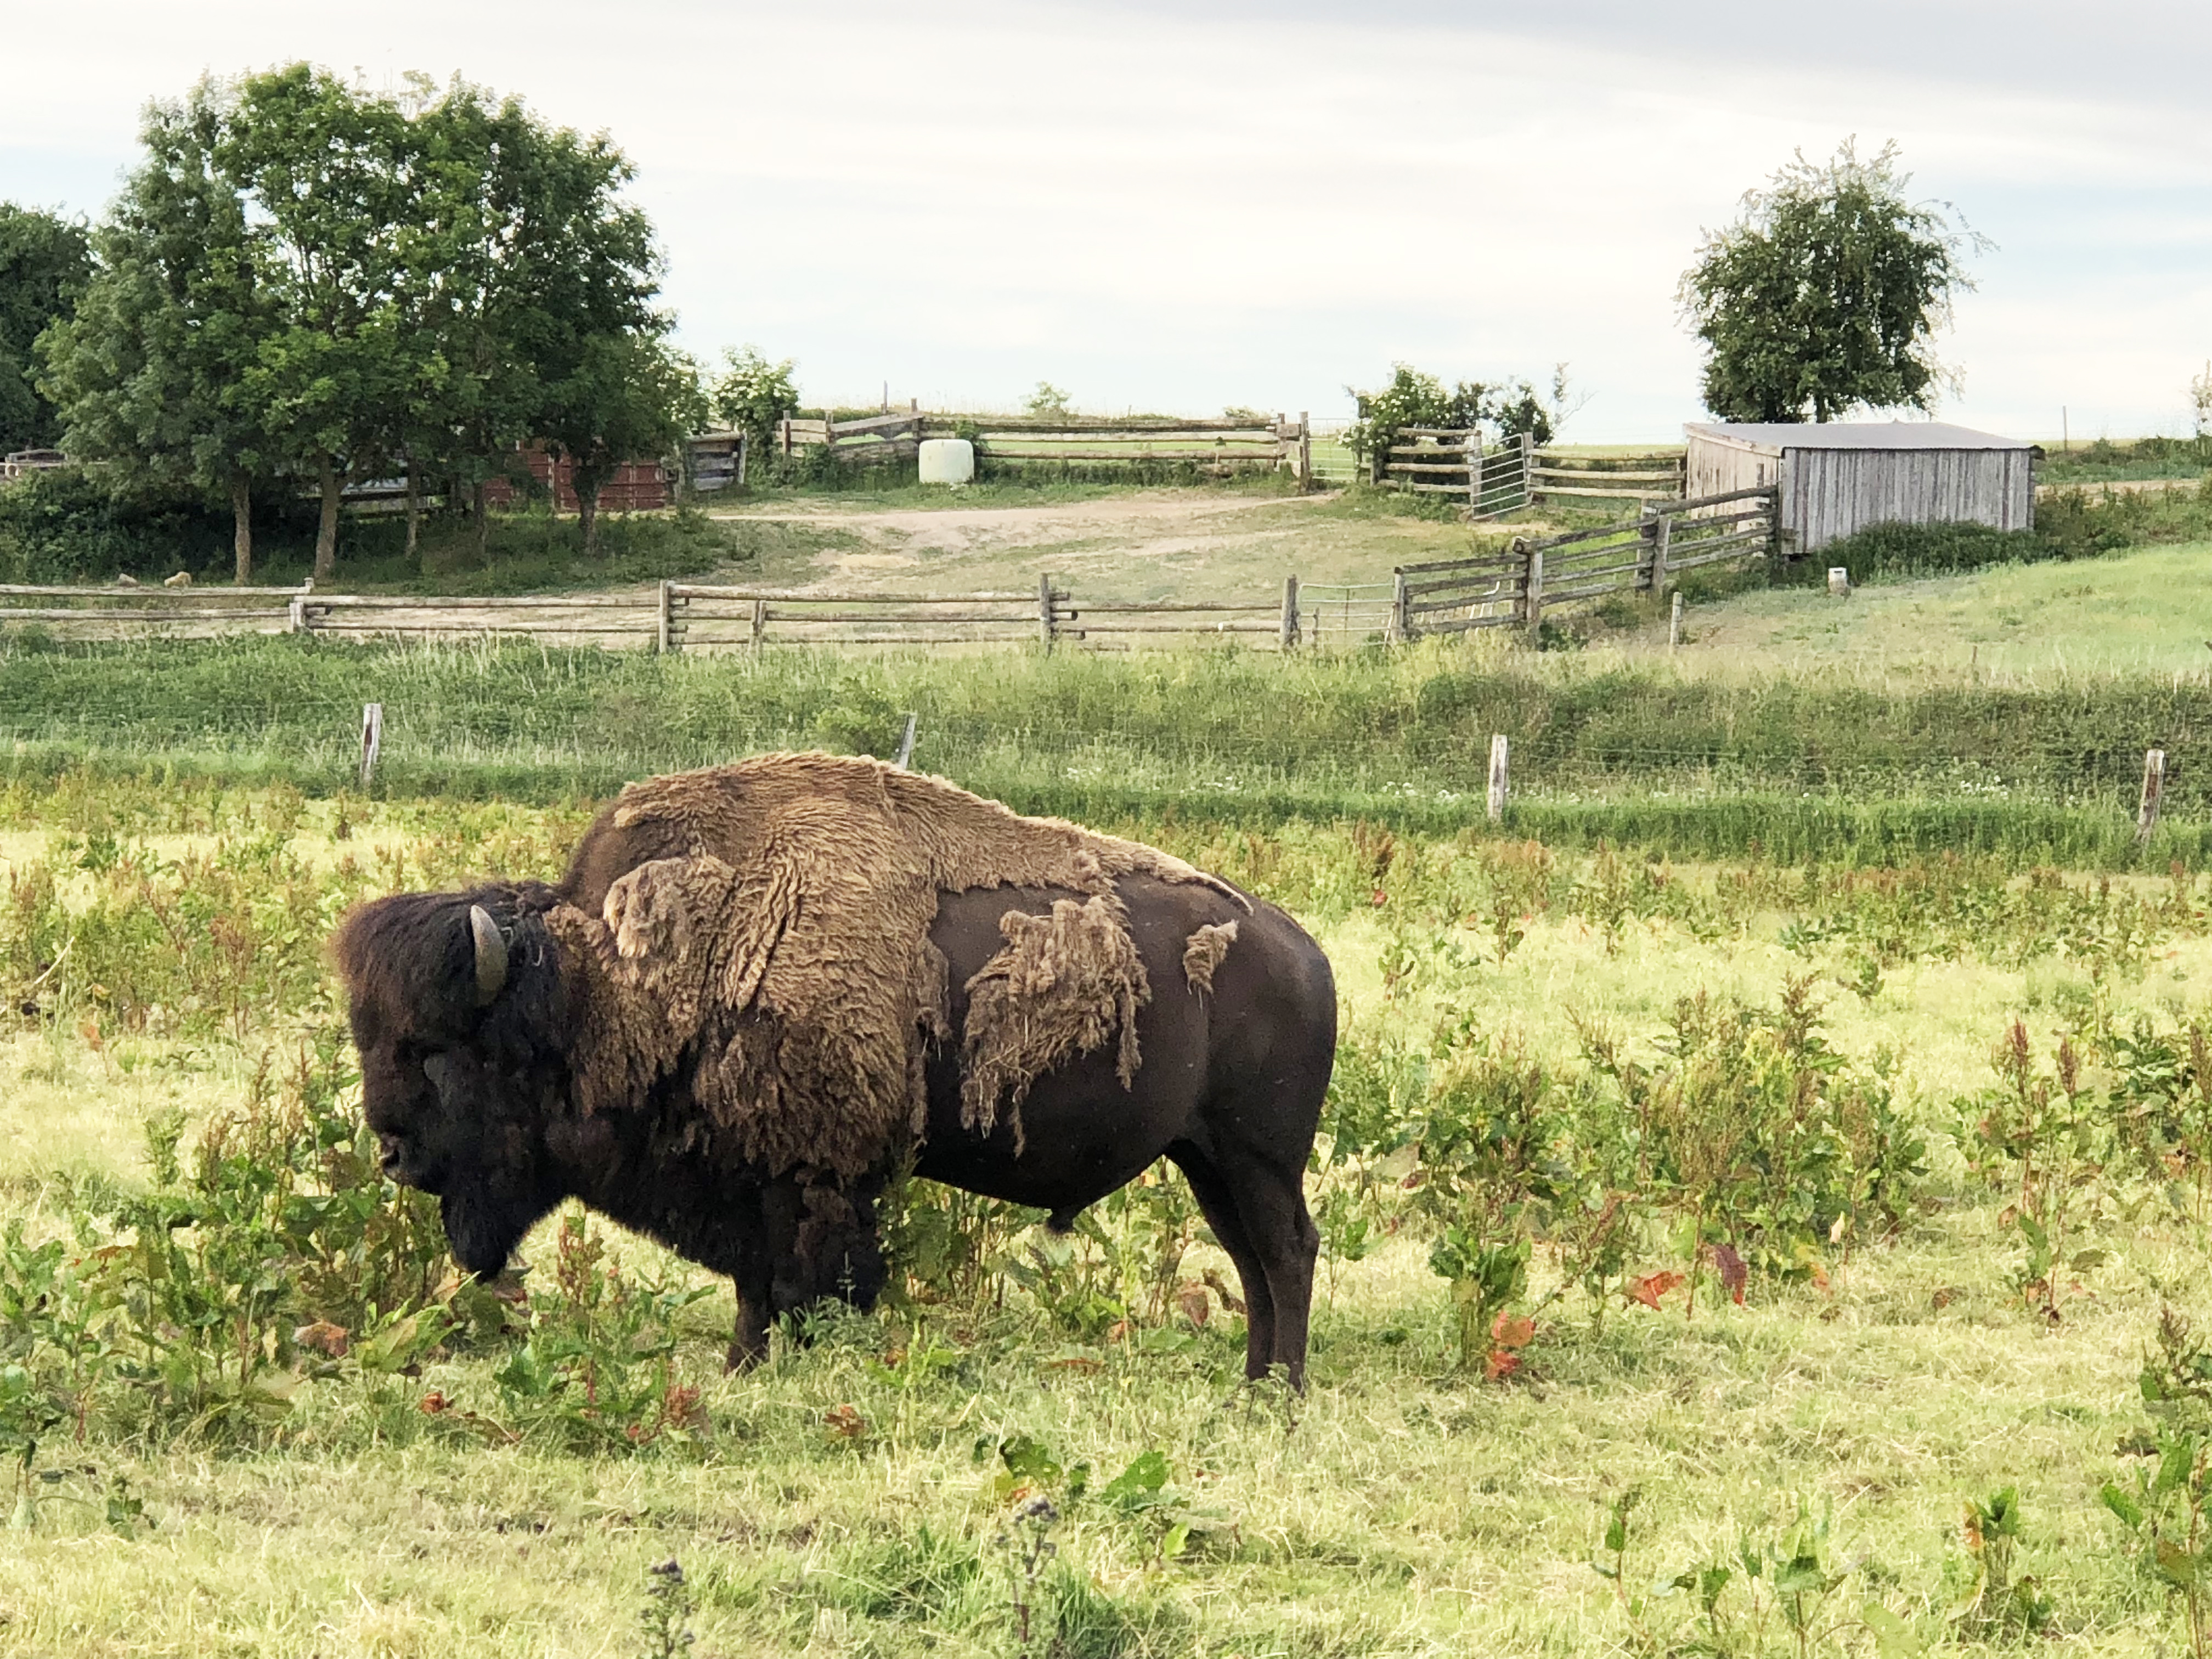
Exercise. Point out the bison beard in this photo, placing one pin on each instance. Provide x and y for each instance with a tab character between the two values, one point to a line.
628	1039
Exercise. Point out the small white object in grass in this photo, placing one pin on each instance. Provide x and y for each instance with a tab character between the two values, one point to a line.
1839	581
947	461
182	578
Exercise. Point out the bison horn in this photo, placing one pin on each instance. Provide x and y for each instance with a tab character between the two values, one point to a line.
490	953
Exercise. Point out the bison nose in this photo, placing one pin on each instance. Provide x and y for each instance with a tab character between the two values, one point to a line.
390	1154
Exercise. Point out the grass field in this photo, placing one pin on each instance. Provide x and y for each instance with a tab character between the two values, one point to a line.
863	1493
1728	1005
2007	708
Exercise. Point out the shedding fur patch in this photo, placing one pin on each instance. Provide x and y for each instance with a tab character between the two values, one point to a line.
780	957
1063	985
1202	953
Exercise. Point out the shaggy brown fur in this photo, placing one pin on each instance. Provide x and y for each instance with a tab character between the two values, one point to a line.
1203	954
786	933
1063	985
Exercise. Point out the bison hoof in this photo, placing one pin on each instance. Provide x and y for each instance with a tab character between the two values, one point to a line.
744	1355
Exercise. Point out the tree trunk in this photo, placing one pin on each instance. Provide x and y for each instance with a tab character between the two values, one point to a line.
482	508
587	509
326	527
413	511
241	525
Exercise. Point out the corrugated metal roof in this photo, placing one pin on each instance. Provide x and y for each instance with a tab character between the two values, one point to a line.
1853	435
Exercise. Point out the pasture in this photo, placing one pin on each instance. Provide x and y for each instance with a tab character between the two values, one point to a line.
268	1422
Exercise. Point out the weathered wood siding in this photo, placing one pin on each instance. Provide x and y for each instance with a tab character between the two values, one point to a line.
1828	494
1718	466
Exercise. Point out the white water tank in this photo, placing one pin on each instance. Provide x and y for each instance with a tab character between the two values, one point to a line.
947	461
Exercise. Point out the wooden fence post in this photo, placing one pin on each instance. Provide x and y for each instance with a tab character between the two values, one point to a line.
1498	750
1305	452
1290	624
371	739
1401	620
741	446
1532	603
1046	629
1375	462
906	744
661	642
760	625
1528	468
2154	787
1662	534
1473	471
1675	624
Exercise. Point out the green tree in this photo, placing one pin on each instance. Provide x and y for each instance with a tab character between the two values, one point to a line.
1825	294
44	262
149	374
630	398
335	177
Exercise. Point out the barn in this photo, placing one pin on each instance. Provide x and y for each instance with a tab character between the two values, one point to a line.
1840	476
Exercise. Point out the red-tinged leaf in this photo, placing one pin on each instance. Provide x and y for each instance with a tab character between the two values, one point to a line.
324	1338
1509	1333
1196	1303
1382	898
1500	1365
1076	1362
1651	1286
1118	1331
1819	1277
434	1402
1734	1274
845	1422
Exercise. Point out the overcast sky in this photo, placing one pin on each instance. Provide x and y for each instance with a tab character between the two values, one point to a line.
1184	206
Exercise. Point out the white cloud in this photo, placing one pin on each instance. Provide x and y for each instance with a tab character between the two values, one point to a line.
1182	209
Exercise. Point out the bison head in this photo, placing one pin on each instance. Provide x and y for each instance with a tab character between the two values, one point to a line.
458	1009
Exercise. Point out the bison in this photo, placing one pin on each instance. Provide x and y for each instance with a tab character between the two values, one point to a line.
466	1007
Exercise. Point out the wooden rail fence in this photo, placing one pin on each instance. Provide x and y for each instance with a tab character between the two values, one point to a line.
1515	587
1220	447
1453	461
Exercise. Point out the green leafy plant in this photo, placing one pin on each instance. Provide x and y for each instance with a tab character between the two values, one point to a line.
2163	1508
1997	1604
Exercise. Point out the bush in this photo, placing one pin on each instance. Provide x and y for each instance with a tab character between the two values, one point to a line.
1921	549
80	523
2070	524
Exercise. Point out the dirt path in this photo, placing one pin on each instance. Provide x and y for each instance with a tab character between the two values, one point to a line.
1154	532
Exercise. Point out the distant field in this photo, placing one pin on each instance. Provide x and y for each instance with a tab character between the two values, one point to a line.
2146	613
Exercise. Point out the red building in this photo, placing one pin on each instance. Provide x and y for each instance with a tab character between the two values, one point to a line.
635	486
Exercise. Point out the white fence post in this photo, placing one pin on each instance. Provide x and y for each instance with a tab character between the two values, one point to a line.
1499	749
2153	788
371	739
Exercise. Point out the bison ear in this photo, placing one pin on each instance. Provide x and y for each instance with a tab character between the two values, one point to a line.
490	954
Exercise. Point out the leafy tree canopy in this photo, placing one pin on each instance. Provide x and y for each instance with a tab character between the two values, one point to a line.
1824	295
45	261
303	281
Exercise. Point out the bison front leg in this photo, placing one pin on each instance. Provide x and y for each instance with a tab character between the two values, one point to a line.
749	1346
752	1275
